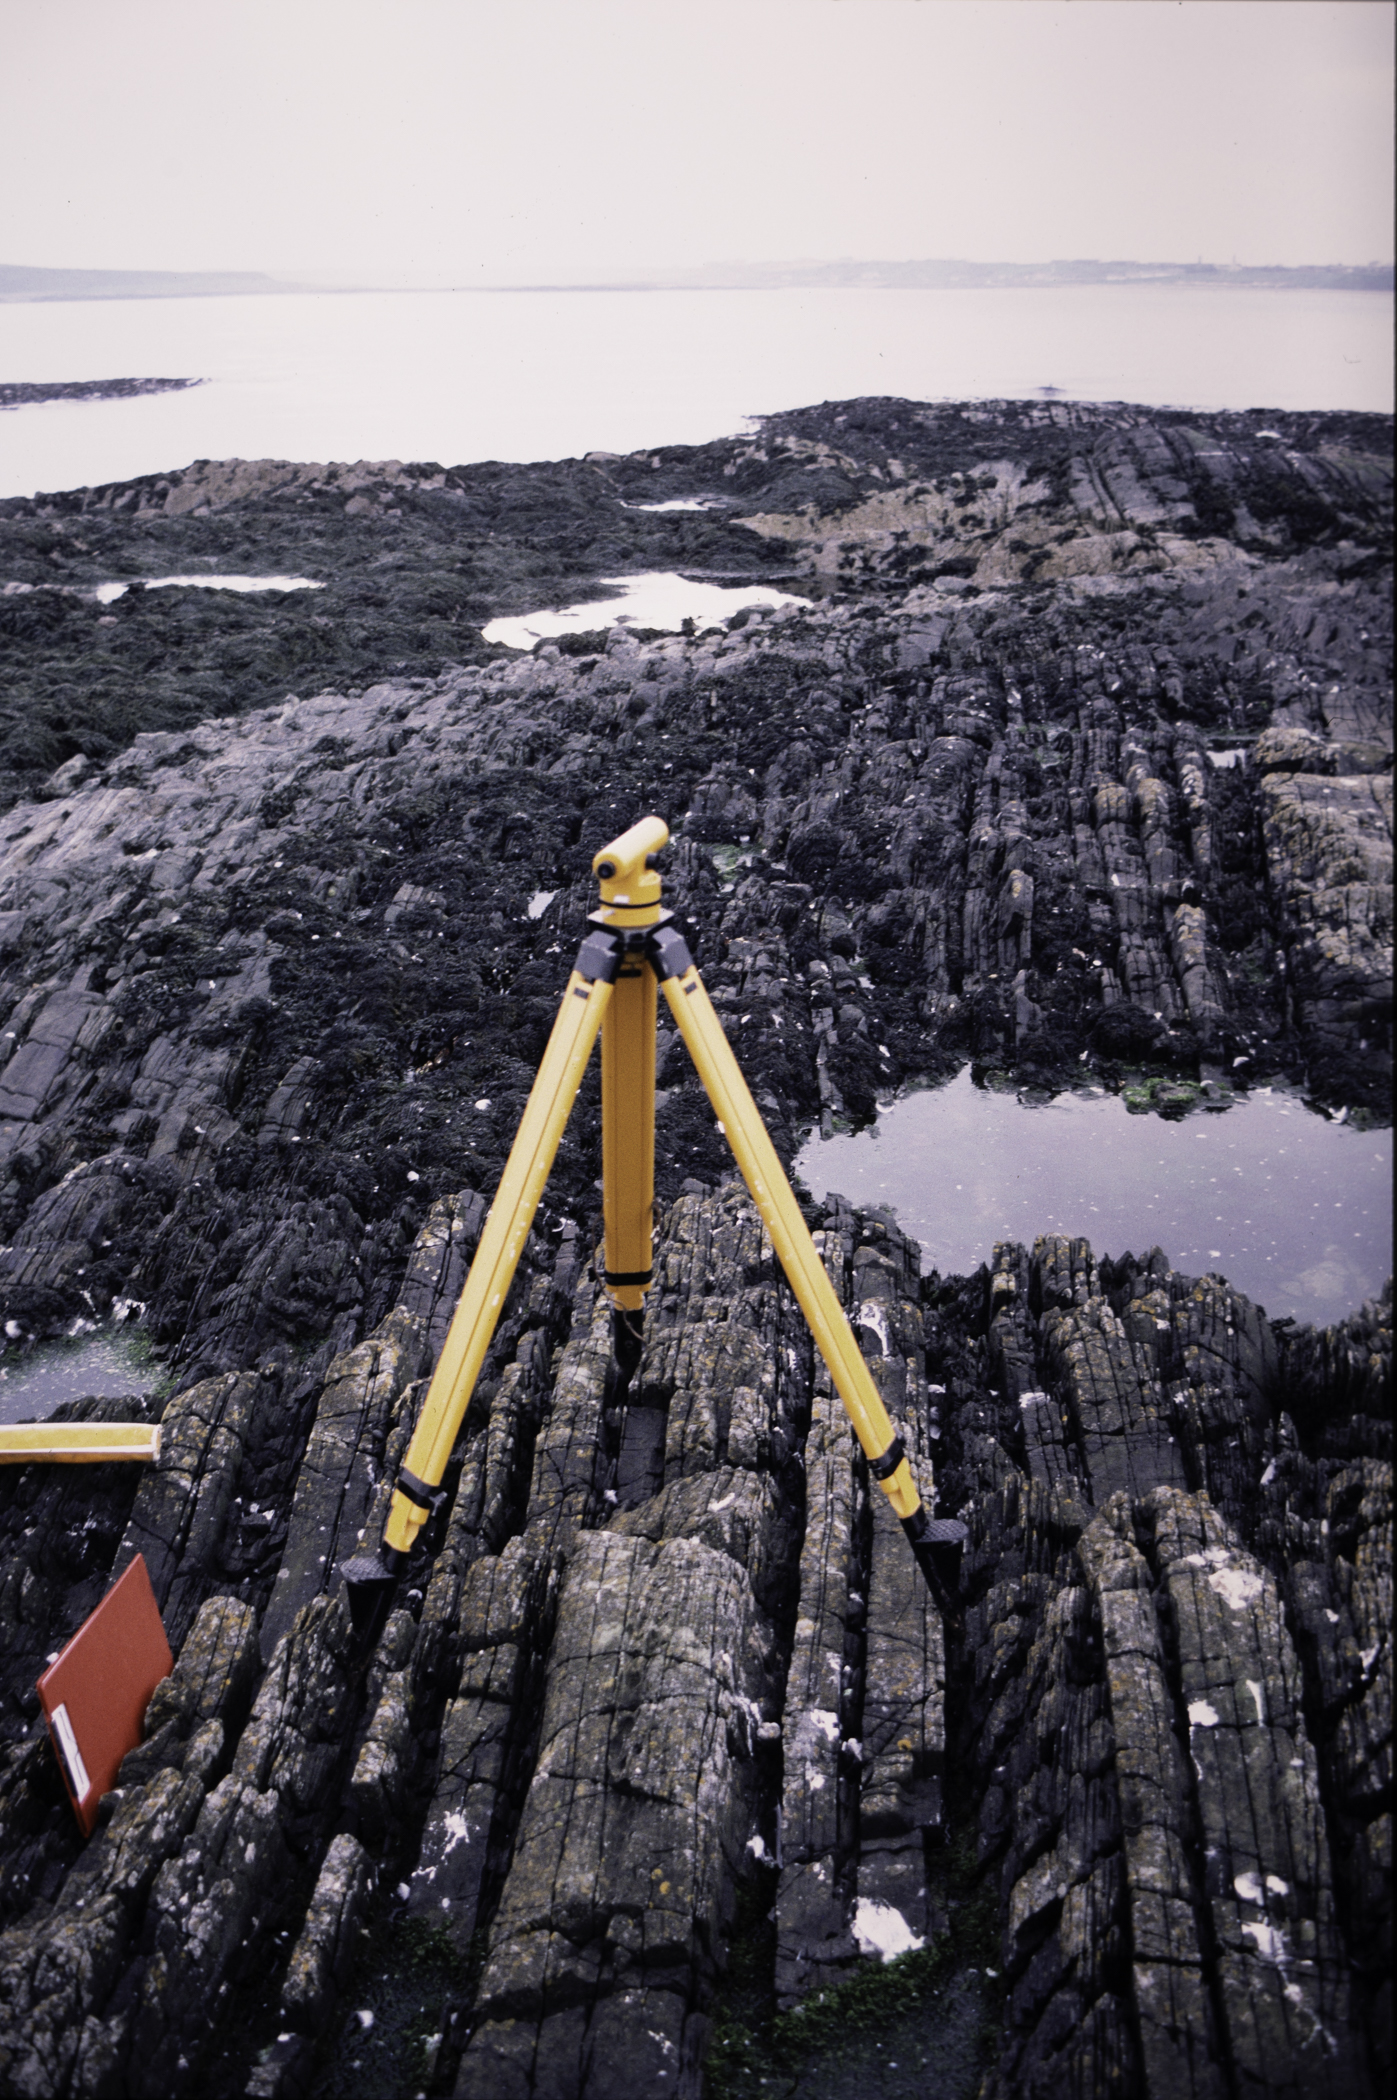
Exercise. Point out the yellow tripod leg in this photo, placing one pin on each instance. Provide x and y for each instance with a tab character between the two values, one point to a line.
771	1192
512	1213
628	1133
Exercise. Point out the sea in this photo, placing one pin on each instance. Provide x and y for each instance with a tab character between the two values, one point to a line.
462	376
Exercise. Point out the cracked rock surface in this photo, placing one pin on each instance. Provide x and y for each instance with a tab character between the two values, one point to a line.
1078	760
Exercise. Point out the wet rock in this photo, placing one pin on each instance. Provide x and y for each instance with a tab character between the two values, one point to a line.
229	1881
663	1664
182	1507
59	1971
635	1818
506	1615
323	1956
1329	853
204	1701
1147	1937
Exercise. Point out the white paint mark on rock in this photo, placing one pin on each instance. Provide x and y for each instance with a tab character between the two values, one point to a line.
881	1930
1237	1587
1202	1715
1269	1941
872	1316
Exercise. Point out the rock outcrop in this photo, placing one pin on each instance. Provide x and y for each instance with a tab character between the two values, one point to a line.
1077	762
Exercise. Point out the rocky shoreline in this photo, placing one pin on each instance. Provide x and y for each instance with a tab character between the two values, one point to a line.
1079	761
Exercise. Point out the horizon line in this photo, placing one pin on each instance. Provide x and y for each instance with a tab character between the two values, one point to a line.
22	282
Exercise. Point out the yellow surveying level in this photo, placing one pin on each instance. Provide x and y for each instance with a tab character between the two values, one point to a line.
633	949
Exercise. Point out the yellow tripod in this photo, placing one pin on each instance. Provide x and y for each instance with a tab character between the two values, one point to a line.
632	950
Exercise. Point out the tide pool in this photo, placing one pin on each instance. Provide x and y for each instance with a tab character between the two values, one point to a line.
1293	1209
110	1362
658	599
108	593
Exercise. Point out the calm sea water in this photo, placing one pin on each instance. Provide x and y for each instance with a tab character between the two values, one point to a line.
1295	1210
461	376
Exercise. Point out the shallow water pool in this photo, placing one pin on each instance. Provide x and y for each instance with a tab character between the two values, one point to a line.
111	1363
108	593
660	599
1294	1210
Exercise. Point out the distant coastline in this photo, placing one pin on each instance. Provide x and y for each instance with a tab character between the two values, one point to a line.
976	276
23	393
23	283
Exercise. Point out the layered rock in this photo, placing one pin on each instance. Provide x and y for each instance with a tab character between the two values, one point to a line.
1082	732
649	1664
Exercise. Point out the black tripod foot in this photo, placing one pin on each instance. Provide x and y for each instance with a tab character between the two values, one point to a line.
937	1543
627	1342
370	1580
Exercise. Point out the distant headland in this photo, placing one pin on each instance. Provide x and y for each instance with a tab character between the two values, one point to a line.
21	282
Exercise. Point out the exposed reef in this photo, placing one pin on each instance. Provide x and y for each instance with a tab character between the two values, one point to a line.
1079	761
23	393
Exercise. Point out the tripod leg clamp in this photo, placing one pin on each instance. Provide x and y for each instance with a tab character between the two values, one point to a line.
427	1499
667	953
599	957
412	1506
883	1467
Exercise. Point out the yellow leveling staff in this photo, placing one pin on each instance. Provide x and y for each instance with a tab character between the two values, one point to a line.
77	1443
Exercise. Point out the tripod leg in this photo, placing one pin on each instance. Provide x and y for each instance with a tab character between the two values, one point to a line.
771	1192
501	1243
628	1134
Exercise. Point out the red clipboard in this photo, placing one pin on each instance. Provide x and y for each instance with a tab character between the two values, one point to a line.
95	1695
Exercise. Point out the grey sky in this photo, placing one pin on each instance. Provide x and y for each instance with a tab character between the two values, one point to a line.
448	140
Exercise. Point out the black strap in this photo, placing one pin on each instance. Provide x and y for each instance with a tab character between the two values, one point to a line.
628	1276
417	1491
883	1468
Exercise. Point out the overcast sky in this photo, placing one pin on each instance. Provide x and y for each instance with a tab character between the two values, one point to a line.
454	141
